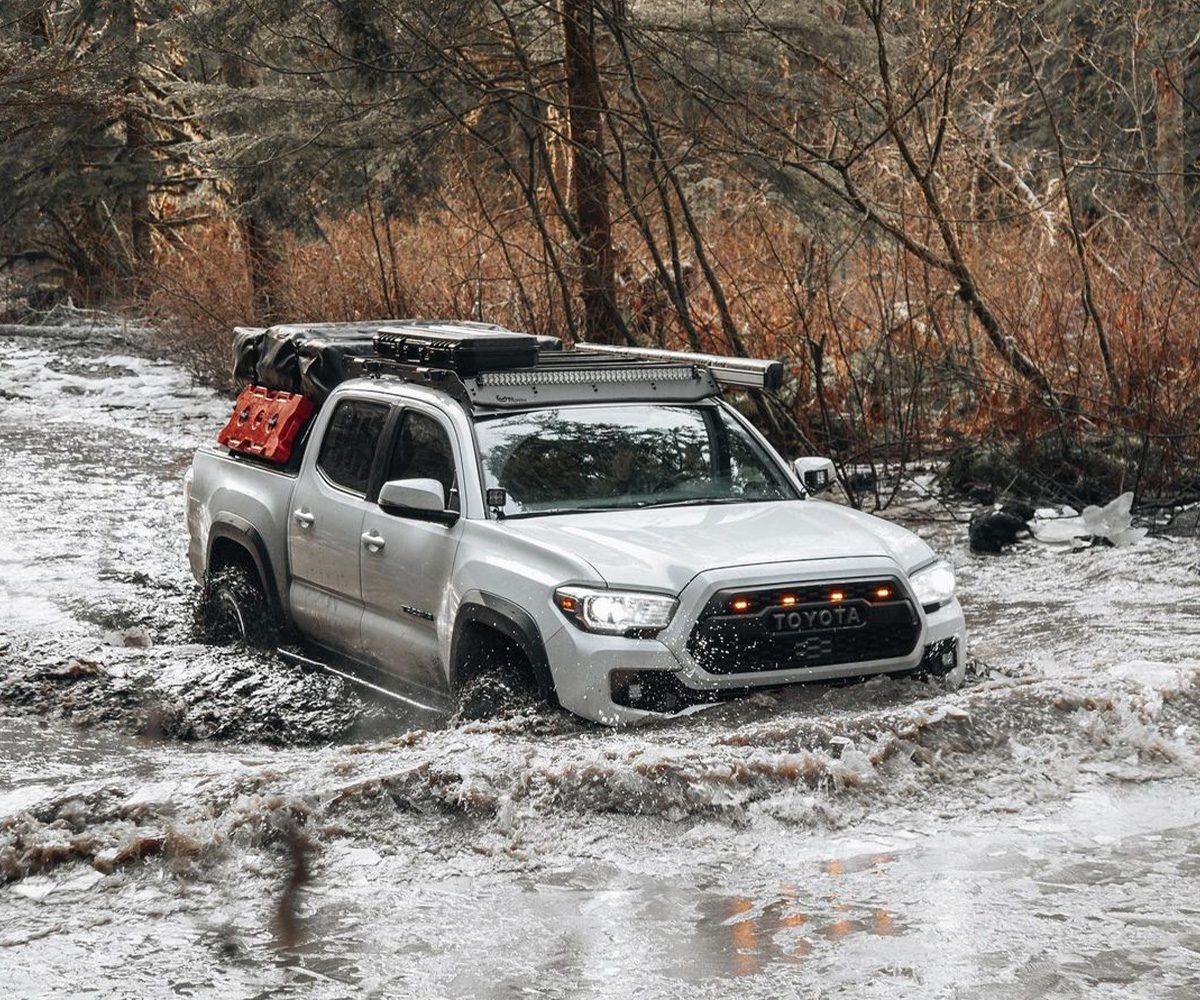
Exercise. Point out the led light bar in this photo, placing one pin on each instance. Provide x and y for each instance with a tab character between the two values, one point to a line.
587	376
730	371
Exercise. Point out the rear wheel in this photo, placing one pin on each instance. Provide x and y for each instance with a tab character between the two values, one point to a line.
234	607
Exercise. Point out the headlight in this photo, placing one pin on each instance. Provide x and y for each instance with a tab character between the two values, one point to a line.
933	585
616	612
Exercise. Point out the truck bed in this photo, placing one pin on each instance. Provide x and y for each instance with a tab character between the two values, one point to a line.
244	493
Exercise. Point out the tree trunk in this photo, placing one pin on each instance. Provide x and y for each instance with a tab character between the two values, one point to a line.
141	218
259	238
262	261
589	183
138	153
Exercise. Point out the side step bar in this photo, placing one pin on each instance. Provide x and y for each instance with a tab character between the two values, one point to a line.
291	656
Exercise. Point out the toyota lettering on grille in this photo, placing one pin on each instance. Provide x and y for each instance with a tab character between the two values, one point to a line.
819	617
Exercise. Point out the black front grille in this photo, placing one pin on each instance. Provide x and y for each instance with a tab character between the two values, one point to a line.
736	633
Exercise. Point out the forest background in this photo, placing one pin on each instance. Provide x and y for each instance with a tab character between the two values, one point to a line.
968	228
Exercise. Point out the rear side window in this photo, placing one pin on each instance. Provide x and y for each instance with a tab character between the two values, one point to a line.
349	445
422	451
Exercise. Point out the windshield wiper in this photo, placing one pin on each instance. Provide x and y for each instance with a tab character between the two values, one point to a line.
563	510
699	502
645	505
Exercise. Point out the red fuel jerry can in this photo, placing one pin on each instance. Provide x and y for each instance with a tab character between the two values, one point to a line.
266	423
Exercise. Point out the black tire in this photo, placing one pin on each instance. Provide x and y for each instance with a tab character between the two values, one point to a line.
234	608
495	678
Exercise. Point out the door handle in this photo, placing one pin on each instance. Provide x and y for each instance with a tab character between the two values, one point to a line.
303	517
373	540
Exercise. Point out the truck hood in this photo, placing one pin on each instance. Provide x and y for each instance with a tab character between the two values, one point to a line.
665	548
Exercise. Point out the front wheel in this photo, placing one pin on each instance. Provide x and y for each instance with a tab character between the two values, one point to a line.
234	608
495	678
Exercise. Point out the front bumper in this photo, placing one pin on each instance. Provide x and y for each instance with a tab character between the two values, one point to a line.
618	681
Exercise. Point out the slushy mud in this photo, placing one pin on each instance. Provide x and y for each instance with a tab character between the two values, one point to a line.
181	819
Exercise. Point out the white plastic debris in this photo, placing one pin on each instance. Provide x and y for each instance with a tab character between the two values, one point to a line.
1112	522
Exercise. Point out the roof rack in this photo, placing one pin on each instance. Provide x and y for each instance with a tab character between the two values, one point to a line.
558	377
465	362
441	379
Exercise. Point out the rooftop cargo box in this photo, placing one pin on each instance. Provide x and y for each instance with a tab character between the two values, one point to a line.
465	352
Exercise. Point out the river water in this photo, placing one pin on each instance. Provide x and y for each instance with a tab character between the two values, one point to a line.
180	820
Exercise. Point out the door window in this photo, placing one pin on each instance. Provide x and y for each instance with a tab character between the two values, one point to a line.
422	451
349	445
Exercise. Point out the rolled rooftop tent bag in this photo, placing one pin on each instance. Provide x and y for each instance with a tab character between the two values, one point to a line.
247	348
326	358
309	358
279	360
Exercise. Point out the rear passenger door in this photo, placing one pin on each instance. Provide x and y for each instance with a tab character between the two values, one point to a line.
406	573
325	525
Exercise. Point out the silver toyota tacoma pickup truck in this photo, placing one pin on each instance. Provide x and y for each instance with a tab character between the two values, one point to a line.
601	521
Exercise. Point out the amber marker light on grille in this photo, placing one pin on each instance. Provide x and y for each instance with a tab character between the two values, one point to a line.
883	592
837	595
740	604
787	600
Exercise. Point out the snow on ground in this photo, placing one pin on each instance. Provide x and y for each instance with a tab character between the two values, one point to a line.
1031	835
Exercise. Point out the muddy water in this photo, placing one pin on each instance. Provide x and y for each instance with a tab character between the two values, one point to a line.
182	820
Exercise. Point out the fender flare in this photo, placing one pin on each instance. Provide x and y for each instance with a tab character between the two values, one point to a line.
511	621
242	533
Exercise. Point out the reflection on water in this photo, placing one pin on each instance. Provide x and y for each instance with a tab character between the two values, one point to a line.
782	928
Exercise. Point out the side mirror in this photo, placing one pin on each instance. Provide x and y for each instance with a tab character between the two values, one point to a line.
423	499
817	474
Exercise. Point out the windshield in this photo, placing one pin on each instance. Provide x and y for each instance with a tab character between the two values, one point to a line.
581	458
